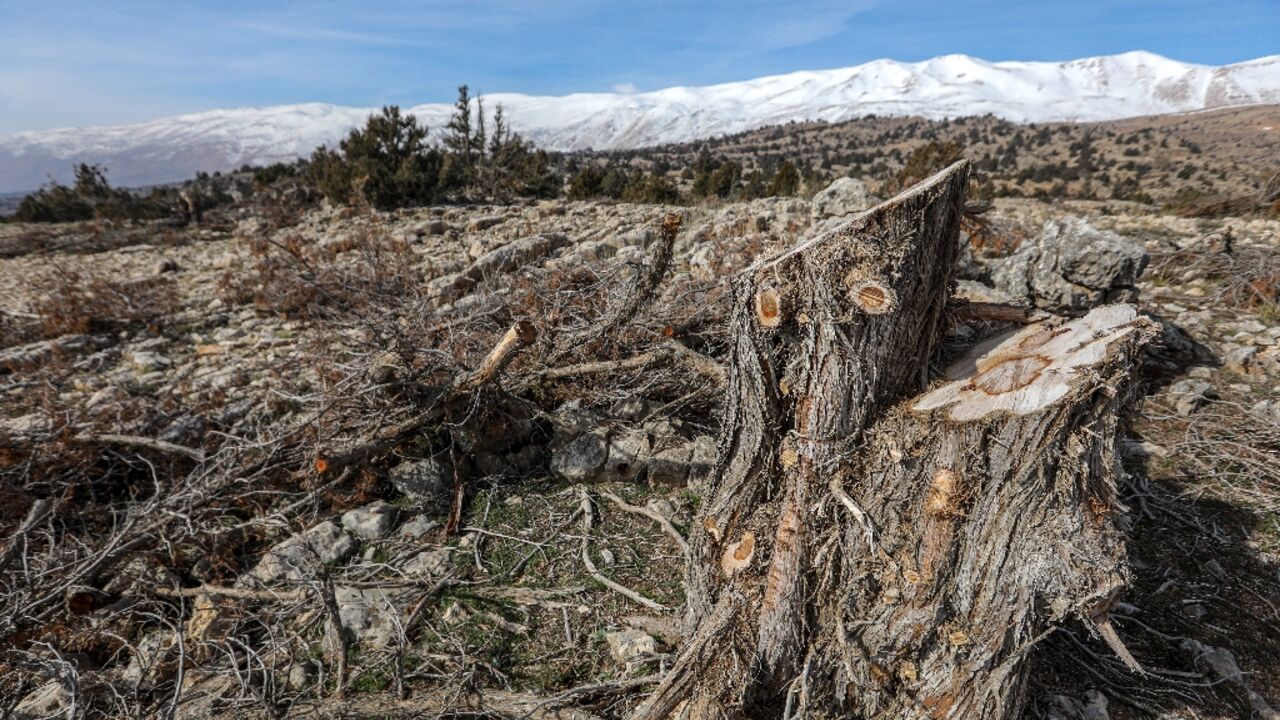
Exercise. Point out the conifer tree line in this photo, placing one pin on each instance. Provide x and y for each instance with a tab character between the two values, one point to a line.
391	163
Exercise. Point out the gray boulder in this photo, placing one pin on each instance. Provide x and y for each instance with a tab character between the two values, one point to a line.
372	521
1071	267
844	196
423	479
583	458
301	555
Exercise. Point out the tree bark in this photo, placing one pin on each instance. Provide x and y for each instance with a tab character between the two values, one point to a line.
857	558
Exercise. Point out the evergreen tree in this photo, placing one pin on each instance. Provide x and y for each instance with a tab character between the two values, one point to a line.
786	181
388	160
458	138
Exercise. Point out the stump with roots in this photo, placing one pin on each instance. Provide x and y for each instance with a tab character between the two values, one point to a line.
862	553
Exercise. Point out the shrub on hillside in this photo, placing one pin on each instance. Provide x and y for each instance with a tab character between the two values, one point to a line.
91	197
388	162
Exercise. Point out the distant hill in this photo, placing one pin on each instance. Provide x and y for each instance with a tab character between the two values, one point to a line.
1225	153
1090	89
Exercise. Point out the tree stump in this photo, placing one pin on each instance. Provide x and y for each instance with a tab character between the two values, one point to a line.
858	555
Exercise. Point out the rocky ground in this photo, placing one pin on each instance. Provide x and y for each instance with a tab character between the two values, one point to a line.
230	487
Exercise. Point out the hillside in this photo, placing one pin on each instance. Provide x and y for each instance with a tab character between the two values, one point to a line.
1190	157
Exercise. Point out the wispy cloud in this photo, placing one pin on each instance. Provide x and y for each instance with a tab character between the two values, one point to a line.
65	63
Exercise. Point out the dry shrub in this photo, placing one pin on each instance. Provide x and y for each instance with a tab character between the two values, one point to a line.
81	301
987	241
297	278
1247	276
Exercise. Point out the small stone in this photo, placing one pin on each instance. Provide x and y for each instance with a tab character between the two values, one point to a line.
301	674
663	507
1190	395
1240	360
428	563
418	526
147	361
483	223
1200	373
606	557
47	701
371	521
629	645
582	459
367	614
422	479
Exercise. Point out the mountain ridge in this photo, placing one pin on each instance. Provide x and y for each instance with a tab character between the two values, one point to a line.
1105	87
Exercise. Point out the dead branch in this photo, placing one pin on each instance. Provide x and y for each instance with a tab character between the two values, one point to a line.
37	513
143	442
672	350
521	334
656	517
588	519
995	312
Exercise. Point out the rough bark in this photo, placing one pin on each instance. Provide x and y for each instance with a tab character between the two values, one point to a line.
853	559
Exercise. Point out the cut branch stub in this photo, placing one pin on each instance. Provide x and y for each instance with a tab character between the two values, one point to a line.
768	307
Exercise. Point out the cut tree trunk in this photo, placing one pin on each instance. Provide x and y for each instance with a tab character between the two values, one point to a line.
859	556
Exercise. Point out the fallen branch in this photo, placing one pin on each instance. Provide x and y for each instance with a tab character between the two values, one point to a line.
644	287
237	593
656	517
588	519
672	350
519	335
995	312
39	509
143	442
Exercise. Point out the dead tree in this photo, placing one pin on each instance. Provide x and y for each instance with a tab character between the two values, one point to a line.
861	554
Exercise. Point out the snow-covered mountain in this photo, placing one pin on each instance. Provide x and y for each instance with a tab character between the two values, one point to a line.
1098	88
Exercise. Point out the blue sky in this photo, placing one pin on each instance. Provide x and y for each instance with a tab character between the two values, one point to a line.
102	61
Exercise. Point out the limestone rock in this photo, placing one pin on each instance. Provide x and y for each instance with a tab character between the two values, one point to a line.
629	645
1071	267
428	563
426	479
844	196
299	556
372	521
583	458
1190	395
368	615
416	527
